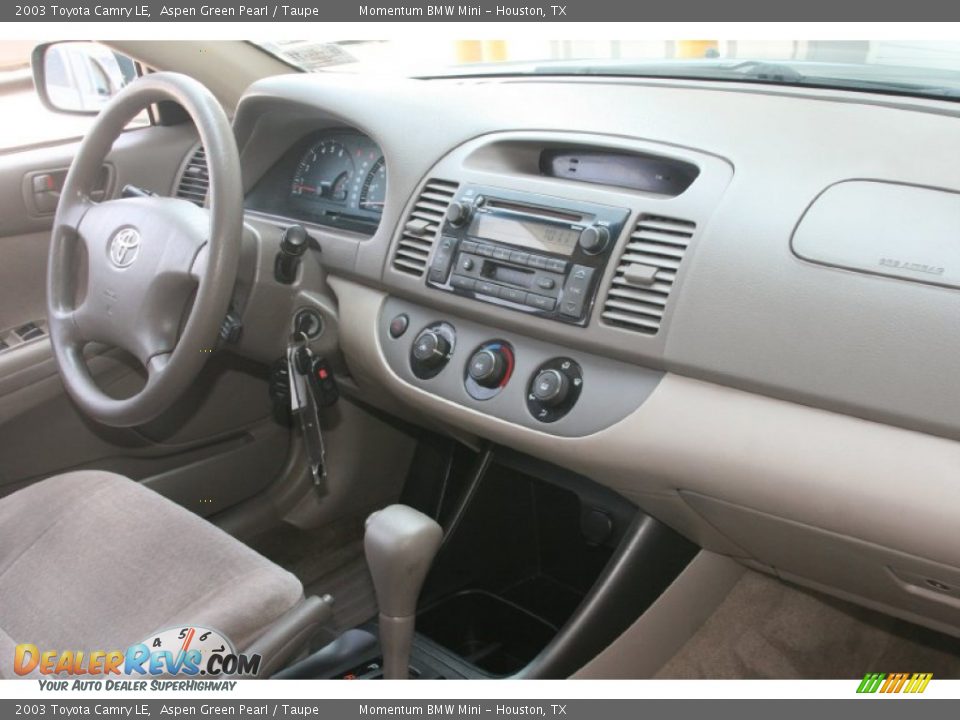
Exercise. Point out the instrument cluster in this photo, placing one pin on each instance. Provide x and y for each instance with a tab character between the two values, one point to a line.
334	177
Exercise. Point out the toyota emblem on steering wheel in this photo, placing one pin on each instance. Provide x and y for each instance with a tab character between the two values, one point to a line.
125	247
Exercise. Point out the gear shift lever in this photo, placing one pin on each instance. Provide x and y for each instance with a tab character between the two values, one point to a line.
400	544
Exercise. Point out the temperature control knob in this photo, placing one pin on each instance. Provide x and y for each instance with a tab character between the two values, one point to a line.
488	367
594	239
488	370
551	387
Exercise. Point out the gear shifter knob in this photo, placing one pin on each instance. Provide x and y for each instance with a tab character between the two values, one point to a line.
400	544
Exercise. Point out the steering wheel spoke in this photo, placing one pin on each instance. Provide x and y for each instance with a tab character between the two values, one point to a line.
157	364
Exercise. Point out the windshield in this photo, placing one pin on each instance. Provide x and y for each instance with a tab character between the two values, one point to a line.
929	69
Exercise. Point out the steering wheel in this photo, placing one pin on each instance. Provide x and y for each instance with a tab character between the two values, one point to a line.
160	271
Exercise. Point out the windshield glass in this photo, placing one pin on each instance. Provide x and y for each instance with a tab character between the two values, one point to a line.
918	68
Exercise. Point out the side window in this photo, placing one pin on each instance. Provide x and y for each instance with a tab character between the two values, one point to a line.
79	75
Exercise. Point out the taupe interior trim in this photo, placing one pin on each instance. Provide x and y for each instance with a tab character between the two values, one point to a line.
667	624
830	471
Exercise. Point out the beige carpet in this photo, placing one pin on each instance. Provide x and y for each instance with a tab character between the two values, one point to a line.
327	561
766	628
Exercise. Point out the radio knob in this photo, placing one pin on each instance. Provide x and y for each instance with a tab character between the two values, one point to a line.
550	387
458	213
431	349
488	367
594	239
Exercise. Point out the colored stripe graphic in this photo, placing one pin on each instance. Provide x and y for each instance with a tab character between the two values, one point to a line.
884	683
871	682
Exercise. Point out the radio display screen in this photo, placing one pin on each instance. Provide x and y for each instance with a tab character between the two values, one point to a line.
526	233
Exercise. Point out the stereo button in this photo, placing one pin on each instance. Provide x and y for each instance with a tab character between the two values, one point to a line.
540	302
572	308
513	295
520	258
501	254
557	266
546	283
538	261
462	282
488	288
458	213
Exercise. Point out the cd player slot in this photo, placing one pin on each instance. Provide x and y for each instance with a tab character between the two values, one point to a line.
535	212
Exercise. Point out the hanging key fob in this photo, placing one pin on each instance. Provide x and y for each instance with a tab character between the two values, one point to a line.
323	383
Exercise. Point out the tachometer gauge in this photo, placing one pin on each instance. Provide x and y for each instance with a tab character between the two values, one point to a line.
324	173
374	189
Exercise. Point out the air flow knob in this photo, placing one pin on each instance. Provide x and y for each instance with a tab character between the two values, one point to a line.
594	239
550	387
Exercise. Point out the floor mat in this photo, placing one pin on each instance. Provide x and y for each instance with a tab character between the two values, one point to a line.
327	561
768	629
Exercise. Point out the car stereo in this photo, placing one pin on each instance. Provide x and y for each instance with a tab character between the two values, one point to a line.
533	253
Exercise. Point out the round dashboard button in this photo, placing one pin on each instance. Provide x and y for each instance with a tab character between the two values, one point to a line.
399	325
594	239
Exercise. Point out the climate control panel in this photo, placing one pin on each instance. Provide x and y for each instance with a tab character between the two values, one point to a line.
510	377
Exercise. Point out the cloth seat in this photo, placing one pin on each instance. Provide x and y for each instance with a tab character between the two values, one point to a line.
93	561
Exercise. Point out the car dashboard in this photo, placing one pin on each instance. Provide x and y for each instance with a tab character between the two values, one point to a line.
731	304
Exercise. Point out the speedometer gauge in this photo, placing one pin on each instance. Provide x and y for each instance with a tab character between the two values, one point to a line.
374	189
324	173
335	177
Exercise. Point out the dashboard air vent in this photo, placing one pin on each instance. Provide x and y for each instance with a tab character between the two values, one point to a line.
195	180
637	298
421	228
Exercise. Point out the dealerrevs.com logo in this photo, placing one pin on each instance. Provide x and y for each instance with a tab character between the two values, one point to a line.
185	651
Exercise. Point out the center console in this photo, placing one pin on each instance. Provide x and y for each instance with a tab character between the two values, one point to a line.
539	570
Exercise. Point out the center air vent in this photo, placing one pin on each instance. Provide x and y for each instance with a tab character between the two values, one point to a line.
195	180
637	298
421	228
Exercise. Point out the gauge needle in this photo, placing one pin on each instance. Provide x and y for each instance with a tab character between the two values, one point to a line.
186	645
308	188
188	639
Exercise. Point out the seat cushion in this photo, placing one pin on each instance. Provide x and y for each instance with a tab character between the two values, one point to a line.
93	561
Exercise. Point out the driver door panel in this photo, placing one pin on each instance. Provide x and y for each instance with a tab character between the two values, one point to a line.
214	448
